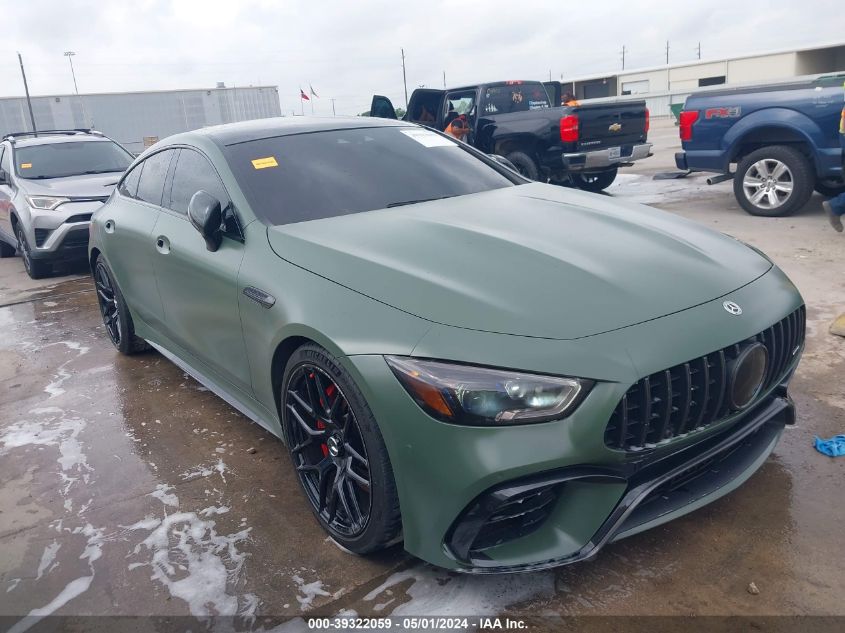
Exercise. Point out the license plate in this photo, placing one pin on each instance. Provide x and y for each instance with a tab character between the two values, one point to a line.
614	152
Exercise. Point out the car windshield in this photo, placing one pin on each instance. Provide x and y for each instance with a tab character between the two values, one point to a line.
318	175
74	158
514	96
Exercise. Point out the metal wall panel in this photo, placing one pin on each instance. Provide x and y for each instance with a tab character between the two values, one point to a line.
129	117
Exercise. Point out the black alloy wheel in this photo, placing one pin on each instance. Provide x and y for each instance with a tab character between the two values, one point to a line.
328	450
107	300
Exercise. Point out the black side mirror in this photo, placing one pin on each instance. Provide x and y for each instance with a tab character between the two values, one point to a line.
206	214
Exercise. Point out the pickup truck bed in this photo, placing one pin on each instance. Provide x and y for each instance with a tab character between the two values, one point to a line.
783	139
583	145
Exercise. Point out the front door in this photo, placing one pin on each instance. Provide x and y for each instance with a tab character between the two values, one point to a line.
199	288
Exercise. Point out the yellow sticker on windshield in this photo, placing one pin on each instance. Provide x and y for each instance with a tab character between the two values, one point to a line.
26	165
264	163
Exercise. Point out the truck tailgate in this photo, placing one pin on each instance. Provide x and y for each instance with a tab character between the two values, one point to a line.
604	125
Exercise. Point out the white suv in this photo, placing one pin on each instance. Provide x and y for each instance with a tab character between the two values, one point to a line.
50	184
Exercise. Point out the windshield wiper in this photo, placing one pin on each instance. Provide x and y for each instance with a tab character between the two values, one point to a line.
101	171
404	202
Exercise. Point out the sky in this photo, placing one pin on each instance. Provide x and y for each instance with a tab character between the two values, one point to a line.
348	50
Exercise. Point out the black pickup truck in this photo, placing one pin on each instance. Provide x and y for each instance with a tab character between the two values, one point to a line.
521	120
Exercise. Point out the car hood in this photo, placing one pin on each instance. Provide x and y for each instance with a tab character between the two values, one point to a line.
85	186
534	260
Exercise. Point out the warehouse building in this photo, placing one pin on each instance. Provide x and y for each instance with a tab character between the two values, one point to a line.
138	119
665	85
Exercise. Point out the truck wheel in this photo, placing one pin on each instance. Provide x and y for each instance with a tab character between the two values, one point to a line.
773	181
595	182
524	164
830	188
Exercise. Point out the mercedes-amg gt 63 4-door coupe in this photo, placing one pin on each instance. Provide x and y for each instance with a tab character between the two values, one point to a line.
505	375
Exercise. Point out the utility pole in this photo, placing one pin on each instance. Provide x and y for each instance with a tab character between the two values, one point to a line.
333	111
28	100
444	79
69	55
667	52
550	75
623	57
404	78
699	50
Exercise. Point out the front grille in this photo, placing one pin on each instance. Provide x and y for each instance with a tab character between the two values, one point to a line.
41	236
693	395
516	518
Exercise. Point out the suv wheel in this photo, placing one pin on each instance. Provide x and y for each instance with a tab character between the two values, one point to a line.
773	181
34	268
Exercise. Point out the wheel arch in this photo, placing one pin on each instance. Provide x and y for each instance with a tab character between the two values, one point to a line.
517	143
92	259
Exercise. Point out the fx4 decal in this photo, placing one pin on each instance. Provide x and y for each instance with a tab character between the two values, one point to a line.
723	113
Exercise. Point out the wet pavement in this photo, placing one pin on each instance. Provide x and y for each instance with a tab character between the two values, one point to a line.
127	488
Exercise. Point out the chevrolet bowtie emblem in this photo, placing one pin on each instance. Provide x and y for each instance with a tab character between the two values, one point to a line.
614	127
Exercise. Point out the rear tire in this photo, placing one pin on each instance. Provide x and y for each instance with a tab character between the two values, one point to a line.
773	181
324	447
115	313
525	165
830	188
596	182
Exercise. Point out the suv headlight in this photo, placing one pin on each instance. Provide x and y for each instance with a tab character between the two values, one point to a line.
45	203
479	396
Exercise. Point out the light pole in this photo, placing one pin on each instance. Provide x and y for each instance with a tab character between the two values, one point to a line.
69	55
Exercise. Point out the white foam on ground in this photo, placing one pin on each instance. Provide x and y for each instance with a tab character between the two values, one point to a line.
205	471
163	494
55	387
437	592
309	591
47	559
195	563
52	428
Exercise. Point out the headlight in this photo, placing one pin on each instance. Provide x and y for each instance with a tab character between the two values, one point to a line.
45	203
463	394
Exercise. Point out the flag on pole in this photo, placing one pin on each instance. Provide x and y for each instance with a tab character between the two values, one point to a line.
302	95
312	91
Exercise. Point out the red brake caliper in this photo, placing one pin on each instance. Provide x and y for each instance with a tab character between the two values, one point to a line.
320	425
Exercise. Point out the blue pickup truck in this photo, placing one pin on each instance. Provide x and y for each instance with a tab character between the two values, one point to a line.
783	139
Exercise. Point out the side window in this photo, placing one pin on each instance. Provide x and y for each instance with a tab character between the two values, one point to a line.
129	185
151	184
194	172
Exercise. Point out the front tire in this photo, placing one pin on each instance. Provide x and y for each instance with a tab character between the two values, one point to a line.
115	313
773	181
525	165
338	453
596	182
35	268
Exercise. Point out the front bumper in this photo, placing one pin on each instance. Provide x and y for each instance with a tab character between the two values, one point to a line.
61	233
605	158
655	491
442	470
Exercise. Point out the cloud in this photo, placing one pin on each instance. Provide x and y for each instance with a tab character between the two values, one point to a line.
349	50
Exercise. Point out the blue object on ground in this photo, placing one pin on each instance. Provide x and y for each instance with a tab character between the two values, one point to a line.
834	447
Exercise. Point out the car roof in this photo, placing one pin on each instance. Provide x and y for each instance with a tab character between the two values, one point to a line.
233	133
51	139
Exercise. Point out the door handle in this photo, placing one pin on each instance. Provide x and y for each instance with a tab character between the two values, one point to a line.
109	226
162	245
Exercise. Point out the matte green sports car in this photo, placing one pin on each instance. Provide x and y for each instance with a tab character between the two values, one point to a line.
505	375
